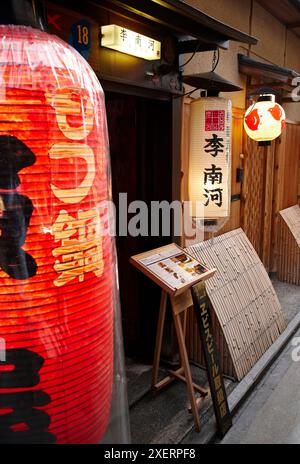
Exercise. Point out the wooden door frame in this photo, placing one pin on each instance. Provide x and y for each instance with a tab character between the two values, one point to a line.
266	215
169	349
176	101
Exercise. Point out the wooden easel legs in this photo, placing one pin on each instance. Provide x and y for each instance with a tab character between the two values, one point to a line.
187	370
159	336
184	372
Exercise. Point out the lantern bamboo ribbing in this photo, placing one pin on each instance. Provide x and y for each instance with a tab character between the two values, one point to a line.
210	157
56	293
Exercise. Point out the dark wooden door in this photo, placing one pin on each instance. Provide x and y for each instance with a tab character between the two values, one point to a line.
140	132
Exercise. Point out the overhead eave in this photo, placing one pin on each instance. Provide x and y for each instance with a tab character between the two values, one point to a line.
286	11
191	26
278	78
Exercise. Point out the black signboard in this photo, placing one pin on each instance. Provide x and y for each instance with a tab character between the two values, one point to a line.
211	355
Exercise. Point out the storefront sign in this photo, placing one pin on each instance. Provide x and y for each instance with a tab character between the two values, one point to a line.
215	378
126	41
210	156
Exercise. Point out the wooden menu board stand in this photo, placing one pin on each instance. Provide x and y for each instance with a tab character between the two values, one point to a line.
154	264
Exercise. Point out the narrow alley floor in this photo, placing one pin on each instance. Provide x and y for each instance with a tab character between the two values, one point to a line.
271	415
163	418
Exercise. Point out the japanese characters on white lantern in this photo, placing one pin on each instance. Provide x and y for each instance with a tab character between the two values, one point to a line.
265	119
210	157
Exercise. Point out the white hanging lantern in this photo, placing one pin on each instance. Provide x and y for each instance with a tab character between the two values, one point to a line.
265	120
210	157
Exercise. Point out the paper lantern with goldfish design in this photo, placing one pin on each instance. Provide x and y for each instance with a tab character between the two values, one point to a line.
265	120
56	257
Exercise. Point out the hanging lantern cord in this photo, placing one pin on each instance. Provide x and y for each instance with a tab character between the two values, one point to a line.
191	57
184	64
215	60
187	94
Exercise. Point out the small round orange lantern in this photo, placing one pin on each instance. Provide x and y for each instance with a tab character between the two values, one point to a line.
265	120
56	259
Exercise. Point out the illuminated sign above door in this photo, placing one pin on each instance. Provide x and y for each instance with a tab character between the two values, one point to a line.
126	41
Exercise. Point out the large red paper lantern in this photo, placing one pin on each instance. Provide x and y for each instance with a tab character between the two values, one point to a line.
56	261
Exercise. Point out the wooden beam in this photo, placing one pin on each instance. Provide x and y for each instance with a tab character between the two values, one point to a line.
174	20
263	73
295	4
293	25
274	85
178	14
175	17
206	21
190	46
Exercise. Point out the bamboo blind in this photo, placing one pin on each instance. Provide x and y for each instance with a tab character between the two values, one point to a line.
244	302
288	246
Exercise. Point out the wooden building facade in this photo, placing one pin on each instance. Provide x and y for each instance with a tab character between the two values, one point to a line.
265	180
144	107
148	121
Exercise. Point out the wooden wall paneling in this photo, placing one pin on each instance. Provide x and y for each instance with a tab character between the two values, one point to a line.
253	189
286	183
288	265
185	130
292	160
281	145
278	185
298	194
185	137
269	154
287	167
270	184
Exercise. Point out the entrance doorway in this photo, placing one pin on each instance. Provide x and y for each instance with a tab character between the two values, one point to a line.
140	133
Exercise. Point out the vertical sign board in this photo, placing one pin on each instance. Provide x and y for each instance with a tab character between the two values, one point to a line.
210	156
81	37
215	378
